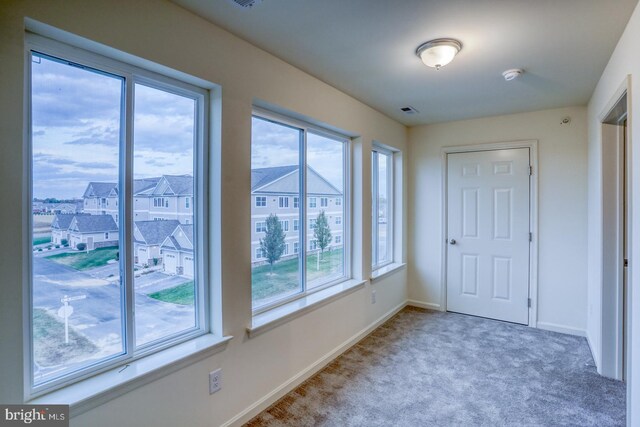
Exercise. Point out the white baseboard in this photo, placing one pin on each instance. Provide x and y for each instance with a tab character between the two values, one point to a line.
563	329
308	372
420	304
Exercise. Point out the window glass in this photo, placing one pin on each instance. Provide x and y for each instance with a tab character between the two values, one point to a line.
325	179
76	294
382	251
275	156
163	251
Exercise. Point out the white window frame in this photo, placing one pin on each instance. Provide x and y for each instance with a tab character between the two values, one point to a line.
338	201
376	263
312	223
338	240
338	220
296	202
261	198
261	226
324	202
283	202
296	224
296	247
305	128
284	223
131	75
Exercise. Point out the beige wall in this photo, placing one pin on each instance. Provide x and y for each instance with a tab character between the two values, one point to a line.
624	62
166	34
562	203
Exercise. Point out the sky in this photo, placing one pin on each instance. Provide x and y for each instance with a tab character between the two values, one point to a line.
76	127
274	144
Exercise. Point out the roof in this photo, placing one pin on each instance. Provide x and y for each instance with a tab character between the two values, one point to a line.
285	180
94	223
140	185
155	232
263	176
171	242
100	189
62	221
178	184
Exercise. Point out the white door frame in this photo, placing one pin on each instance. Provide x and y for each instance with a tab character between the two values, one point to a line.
612	301
532	145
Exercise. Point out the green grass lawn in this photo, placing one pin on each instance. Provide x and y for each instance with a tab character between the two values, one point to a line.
182	294
86	260
49	348
41	240
284	277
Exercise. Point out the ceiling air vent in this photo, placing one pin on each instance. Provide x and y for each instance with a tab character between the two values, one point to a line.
246	3
409	110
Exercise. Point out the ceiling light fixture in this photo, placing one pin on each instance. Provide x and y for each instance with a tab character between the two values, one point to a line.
513	73
439	52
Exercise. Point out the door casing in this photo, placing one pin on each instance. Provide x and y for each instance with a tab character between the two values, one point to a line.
533	216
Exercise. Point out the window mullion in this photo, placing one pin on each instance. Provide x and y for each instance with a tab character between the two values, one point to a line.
302	250
126	214
375	207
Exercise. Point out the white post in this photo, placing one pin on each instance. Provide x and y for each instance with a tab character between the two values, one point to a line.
66	321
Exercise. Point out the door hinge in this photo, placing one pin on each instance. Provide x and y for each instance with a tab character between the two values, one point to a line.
529	302
530	170
626	263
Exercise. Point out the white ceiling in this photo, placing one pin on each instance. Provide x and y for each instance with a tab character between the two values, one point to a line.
366	49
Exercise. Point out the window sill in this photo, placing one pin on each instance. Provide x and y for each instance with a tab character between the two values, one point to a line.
270	319
386	270
95	391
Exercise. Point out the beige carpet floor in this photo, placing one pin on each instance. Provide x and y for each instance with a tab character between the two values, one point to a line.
427	368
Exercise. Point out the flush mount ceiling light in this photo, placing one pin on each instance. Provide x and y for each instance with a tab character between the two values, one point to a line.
512	74
439	52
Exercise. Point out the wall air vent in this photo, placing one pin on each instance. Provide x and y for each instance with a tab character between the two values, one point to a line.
246	3
409	110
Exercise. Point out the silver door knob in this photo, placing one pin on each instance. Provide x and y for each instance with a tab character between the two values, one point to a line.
452	241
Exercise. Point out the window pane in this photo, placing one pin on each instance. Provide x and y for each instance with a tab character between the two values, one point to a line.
325	185
76	293
275	156
163	231
383	209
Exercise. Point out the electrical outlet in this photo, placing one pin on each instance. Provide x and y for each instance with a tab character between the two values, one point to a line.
373	296
215	380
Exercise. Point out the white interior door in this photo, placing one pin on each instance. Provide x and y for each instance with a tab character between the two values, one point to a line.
488	234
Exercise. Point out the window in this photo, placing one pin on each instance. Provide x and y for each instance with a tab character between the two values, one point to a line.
338	220
338	240
286	249
261	201
283	202
261	227
338	201
186	203
116	322
260	254
382	209
323	155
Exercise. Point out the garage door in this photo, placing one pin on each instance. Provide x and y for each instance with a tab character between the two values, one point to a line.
188	266
170	263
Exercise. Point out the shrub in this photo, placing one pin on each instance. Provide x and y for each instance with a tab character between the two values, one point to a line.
57	246
118	256
155	261
64	242
39	249
81	246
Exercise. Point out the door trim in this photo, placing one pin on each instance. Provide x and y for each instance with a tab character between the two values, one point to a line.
532	145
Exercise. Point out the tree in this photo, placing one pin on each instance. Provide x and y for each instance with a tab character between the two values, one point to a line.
322	234
273	242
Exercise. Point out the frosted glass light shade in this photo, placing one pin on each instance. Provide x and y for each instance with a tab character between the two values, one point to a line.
438	53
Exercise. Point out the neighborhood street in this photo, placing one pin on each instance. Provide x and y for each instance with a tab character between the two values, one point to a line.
97	315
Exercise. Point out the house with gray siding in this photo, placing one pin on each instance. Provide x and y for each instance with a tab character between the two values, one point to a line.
148	236
96	231
276	190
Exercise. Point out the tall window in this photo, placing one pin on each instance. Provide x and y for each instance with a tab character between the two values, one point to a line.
278	149
382	209
89	310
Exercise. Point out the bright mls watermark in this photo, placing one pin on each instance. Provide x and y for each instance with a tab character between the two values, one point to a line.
34	415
